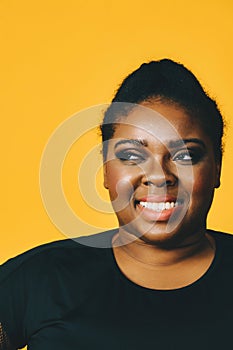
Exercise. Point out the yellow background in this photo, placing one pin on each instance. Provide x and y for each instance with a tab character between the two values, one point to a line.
59	57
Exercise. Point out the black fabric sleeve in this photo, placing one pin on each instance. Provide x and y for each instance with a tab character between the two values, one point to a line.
4	340
15	262
12	306
12	294
28	294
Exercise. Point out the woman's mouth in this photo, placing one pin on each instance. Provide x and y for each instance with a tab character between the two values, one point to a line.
158	210
158	206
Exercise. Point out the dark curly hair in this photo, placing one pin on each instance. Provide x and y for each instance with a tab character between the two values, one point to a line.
168	82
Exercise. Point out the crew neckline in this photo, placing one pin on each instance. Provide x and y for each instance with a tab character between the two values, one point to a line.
194	284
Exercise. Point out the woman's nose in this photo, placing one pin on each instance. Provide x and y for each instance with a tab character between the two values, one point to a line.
159	174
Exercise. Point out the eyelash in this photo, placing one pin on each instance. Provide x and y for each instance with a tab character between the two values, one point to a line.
192	157
133	157
126	156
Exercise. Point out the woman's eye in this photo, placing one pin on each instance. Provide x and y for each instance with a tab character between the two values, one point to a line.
130	156
186	157
183	156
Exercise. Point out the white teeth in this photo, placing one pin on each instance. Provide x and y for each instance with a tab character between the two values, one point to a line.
150	205
158	207
161	206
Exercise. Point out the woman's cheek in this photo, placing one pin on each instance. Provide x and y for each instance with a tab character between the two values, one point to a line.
195	185
121	188
202	189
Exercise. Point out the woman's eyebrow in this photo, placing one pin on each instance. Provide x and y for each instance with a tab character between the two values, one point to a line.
137	142
171	144
181	142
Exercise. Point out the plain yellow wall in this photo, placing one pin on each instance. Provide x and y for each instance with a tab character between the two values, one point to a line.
59	57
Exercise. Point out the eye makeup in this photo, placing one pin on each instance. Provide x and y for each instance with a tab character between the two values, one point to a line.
130	155
133	151
189	155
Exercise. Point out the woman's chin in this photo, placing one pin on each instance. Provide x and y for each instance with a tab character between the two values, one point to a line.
159	238
154	233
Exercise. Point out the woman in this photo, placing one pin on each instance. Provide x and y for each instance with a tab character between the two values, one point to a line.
166	281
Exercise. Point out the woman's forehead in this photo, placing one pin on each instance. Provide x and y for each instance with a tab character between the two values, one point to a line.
157	115
164	122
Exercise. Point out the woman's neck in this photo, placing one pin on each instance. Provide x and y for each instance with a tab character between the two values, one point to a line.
159	267
157	255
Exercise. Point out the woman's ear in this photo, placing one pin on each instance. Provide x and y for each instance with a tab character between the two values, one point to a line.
105	169
218	174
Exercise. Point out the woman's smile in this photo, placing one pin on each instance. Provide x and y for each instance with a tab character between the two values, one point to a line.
155	208
156	170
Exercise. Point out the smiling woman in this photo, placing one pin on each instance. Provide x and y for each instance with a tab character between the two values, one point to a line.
165	186
163	281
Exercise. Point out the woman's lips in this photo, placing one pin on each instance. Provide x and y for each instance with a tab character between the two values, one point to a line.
158	208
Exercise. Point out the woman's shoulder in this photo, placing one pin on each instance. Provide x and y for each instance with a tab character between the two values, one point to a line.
224	246
222	237
61	251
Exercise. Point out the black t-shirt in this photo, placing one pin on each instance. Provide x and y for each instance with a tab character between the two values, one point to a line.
67	295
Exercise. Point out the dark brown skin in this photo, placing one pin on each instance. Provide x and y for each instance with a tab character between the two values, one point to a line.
167	250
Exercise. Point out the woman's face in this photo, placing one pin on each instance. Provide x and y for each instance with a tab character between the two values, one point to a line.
161	173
